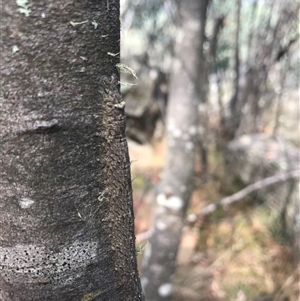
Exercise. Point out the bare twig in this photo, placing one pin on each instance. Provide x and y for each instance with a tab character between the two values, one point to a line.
231	199
242	193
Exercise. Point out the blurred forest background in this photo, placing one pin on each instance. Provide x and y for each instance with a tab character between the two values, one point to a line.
212	105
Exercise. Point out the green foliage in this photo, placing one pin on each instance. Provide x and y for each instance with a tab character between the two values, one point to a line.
91	296
141	248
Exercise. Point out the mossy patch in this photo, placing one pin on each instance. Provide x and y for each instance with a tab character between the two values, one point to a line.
91	296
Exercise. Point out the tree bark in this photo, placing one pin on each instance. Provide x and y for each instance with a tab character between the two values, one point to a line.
235	103
177	184
65	190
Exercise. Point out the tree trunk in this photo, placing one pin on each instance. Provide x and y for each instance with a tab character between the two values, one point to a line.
65	190
247	107
176	187
202	84
235	103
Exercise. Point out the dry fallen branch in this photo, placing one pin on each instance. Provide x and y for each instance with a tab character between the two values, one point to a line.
245	191
231	199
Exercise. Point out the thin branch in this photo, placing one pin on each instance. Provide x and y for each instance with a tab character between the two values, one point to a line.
282	177
242	193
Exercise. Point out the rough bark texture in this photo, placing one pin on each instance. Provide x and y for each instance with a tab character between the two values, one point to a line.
65	190
160	254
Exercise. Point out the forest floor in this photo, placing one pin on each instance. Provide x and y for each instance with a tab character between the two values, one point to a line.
234	255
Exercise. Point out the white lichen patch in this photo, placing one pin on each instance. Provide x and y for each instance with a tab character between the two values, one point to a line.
161	199
35	264
200	130
144	282
283	165
245	140
157	269
160	225
171	124
174	202
182	188
177	133
192	130
201	108
165	289
43	124
120	105
189	146
15	49
26	203
148	251
23	7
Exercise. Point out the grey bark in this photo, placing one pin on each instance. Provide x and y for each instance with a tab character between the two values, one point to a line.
182	113
251	30
235	104
65	189
203	85
283	69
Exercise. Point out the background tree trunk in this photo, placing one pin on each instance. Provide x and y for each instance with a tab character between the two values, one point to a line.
65	190
248	107
202	85
177	184
235	103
